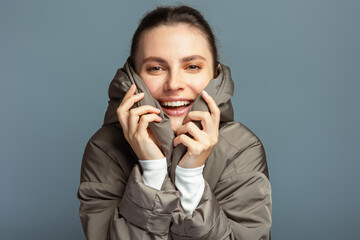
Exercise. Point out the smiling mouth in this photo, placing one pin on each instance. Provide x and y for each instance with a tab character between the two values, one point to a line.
176	108
175	104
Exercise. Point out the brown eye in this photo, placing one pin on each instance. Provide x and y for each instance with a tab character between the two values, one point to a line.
157	68
193	67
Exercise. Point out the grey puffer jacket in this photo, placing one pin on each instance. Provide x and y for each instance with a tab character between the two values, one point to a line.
116	204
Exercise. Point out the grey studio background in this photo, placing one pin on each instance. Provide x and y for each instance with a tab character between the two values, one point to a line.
296	67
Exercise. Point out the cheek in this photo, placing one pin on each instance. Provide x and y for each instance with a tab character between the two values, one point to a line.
197	85
154	87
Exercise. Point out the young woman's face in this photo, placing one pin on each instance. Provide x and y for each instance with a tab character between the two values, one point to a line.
176	64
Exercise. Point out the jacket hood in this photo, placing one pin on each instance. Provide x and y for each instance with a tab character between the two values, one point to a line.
220	89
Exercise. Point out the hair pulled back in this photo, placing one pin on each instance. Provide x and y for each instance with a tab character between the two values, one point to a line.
170	16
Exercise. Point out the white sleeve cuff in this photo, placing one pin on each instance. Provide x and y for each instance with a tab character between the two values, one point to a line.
154	172
191	185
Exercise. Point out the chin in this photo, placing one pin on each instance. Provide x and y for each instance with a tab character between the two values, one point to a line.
176	123
175	127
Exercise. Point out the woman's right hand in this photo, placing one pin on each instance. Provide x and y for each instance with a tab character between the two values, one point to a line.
135	124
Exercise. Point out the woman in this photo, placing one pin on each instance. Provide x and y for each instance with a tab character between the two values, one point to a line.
169	161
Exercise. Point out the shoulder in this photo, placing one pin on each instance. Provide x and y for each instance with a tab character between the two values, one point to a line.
108	138
108	150
237	135
243	150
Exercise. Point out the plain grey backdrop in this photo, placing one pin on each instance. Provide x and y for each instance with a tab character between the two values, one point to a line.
296	67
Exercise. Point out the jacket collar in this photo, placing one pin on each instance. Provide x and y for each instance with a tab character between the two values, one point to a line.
220	89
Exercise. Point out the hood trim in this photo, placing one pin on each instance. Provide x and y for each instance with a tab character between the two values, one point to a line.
221	89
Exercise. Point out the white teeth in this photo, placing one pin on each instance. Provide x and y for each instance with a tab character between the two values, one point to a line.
175	104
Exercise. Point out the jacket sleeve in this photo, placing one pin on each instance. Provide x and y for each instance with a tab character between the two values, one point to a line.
116	207
238	208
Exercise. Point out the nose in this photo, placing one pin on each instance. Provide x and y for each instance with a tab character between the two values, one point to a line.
174	82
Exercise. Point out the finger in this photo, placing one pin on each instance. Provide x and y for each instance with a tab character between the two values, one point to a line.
126	104
193	147
185	140
144	109
145	120
121	111
136	113
198	116
193	130
207	122
122	118
215	111
130	92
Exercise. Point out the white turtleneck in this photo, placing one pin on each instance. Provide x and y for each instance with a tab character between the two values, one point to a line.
189	181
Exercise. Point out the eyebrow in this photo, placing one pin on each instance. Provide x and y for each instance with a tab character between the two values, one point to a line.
184	59
155	59
192	57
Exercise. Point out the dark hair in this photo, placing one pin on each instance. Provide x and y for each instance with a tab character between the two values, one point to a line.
174	15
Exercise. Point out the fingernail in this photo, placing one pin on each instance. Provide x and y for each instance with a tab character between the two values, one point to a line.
140	94
205	93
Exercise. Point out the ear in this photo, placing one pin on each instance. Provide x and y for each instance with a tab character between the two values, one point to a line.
217	71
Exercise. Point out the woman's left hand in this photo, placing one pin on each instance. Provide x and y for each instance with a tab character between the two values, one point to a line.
202	141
